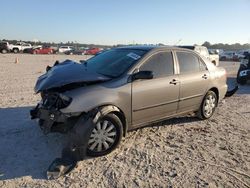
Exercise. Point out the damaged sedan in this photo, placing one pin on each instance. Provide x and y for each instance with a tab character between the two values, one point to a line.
97	101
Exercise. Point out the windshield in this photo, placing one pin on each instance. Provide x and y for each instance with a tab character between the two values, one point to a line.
114	62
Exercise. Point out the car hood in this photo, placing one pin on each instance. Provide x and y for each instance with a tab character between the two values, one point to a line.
66	73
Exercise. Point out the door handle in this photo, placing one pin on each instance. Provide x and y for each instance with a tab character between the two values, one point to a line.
174	82
204	76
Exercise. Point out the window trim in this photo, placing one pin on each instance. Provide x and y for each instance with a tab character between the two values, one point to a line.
141	63
202	62
194	54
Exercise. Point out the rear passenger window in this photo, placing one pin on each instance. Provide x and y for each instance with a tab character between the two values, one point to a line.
161	64
188	62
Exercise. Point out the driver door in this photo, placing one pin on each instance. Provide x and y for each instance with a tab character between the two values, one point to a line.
154	99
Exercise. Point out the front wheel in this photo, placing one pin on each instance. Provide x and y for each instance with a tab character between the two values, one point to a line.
106	136
208	105
15	50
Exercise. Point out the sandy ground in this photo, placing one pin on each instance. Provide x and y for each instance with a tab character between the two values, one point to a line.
182	152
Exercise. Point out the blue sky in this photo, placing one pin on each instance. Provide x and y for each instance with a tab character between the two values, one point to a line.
130	21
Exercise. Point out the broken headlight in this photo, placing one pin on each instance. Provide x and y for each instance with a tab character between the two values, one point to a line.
64	101
55	100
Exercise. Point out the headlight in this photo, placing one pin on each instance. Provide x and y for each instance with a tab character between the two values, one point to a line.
243	73
55	100
63	101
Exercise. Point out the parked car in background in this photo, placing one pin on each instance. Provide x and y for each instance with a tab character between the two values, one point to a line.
244	70
202	50
102	51
4	47
228	56
42	50
122	89
63	49
75	52
92	51
239	55
242	54
19	47
29	50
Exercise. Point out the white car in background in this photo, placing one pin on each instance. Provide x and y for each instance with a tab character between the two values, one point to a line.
20	46
203	51
63	49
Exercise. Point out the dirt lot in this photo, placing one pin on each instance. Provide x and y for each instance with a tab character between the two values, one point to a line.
182	152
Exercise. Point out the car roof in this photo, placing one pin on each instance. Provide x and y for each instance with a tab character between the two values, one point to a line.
187	47
152	47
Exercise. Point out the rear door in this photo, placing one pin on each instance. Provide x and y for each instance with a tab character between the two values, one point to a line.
194	79
158	97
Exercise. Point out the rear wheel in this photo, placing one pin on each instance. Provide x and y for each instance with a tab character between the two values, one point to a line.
208	105
106	136
15	50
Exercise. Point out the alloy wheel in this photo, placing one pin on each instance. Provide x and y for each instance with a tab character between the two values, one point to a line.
209	106
102	137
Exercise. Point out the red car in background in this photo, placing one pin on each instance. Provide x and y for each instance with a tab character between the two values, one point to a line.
42	50
92	51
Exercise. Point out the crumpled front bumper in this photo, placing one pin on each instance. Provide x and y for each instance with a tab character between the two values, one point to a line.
48	118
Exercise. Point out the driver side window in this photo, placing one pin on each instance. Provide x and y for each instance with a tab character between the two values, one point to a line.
161	64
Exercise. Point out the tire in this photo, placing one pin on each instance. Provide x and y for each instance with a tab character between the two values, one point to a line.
106	136
208	105
15	50
4	51
241	81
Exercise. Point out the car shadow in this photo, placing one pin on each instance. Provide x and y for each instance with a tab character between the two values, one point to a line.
25	151
243	89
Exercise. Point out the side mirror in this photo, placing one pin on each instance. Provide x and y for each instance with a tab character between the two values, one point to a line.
143	75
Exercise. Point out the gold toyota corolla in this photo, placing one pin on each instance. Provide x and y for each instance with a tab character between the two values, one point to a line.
97	101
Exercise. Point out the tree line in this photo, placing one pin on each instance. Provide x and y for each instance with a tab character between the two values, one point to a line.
236	46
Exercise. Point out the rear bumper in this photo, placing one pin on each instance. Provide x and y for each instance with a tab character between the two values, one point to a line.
232	92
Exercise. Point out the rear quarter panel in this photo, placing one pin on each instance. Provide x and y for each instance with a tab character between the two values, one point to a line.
217	78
